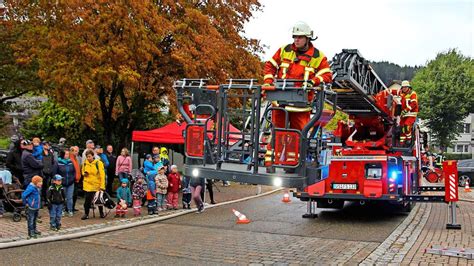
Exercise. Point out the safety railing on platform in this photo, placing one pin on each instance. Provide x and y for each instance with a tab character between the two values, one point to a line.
232	128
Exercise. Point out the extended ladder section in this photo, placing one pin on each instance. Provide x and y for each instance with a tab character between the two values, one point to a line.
356	83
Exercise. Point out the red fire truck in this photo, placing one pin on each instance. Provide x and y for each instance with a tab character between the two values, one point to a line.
229	128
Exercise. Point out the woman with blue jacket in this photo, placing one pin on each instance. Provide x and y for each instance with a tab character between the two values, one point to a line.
68	172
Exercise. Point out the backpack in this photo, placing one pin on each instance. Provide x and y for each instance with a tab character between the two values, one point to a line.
102	198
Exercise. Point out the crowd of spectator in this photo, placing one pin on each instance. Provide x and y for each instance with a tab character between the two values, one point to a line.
51	177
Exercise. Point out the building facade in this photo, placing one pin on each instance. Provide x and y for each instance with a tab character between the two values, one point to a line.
464	144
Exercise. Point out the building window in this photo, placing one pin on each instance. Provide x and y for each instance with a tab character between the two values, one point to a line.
461	148
466	128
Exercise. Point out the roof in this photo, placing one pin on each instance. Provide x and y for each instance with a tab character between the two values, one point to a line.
172	133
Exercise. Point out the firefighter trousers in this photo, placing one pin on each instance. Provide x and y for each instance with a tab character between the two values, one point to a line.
406	123
297	120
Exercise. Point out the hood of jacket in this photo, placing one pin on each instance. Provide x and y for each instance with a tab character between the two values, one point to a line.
64	161
164	153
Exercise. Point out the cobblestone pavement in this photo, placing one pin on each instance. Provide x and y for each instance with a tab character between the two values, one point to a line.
435	233
365	235
276	235
242	247
14	231
397	245
426	226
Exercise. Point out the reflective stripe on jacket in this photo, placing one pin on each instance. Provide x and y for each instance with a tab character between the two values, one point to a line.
288	63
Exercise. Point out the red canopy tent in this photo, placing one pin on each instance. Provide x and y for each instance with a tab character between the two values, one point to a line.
169	134
172	134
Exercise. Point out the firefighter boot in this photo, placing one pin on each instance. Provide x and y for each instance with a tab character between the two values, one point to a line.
268	162
291	158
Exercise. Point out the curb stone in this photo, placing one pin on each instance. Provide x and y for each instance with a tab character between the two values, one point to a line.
397	245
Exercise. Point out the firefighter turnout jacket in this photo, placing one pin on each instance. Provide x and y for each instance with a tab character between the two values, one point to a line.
409	103
289	63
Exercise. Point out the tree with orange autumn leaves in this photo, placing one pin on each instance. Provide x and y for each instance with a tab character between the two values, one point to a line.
114	60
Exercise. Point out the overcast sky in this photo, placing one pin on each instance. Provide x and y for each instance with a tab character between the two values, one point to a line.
400	31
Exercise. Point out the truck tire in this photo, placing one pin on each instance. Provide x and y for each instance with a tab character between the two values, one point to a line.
407	207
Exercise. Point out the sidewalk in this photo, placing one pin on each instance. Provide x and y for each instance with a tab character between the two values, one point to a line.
424	227
435	233
14	231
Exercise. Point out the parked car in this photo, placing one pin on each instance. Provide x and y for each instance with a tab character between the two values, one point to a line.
466	172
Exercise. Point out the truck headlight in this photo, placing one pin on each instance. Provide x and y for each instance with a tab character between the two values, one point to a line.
277	182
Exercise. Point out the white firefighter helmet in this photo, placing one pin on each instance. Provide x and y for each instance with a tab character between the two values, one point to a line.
406	83
302	29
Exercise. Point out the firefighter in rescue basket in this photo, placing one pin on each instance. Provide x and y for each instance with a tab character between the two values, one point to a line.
299	60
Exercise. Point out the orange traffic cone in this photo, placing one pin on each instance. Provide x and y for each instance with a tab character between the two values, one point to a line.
286	198
467	188
241	218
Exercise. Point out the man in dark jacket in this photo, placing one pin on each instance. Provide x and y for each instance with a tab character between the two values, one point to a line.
31	166
49	168
111	169
14	161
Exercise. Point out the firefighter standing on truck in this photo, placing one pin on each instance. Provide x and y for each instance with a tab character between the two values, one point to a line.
409	112
299	60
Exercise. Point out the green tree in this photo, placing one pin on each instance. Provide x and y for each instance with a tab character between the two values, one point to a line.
111	60
54	122
445	89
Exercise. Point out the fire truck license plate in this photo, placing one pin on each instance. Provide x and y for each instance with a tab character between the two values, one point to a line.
344	186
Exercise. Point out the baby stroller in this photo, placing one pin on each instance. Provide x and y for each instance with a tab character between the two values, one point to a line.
11	194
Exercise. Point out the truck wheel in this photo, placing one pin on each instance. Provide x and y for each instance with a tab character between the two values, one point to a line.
408	206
